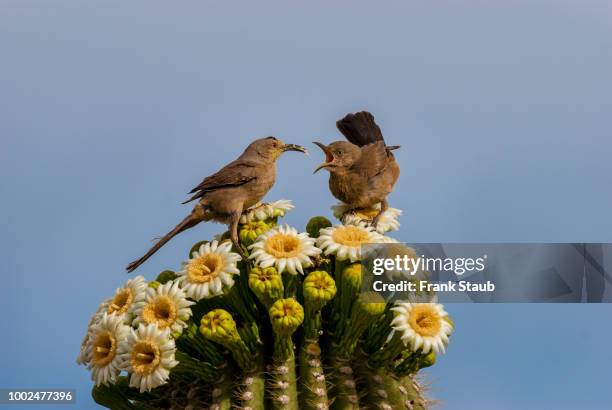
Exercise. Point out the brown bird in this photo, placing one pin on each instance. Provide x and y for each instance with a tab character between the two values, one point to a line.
222	197
362	170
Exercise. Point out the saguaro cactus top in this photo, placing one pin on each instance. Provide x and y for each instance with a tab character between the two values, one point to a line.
225	332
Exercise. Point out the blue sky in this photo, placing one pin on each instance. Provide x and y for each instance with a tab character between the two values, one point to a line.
111	111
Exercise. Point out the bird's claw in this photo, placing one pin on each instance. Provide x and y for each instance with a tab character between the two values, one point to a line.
376	220
243	253
260	205
345	216
237	247
374	223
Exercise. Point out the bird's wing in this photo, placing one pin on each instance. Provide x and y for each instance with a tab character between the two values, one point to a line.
373	160
360	128
236	173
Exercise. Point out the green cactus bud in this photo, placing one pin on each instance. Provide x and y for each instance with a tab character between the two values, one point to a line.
278	212
352	275
218	325
411	362
427	360
316	224
370	304
251	230
319	288
266	284
154	284
286	316
165	276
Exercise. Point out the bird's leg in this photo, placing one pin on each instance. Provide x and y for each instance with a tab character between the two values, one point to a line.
233	221
346	214
259	205
384	205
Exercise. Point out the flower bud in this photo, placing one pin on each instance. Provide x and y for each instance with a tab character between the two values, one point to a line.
369	305
352	275
319	288
316	224
219	326
154	284
427	360
251	230
165	276
266	284
286	316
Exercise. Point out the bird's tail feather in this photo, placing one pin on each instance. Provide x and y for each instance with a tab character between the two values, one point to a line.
194	197
360	128
189	222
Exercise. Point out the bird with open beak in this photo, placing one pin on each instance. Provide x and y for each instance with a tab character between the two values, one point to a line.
363	170
223	196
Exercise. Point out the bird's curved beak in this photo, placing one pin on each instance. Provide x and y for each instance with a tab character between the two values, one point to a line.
329	157
294	147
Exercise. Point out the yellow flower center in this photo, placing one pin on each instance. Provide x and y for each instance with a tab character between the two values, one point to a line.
122	301
425	320
352	236
367	213
160	310
146	356
281	245
104	348
205	268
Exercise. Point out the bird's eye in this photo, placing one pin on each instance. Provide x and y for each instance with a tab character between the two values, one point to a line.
339	152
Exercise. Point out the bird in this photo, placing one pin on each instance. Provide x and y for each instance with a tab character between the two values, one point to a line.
223	196
363	170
